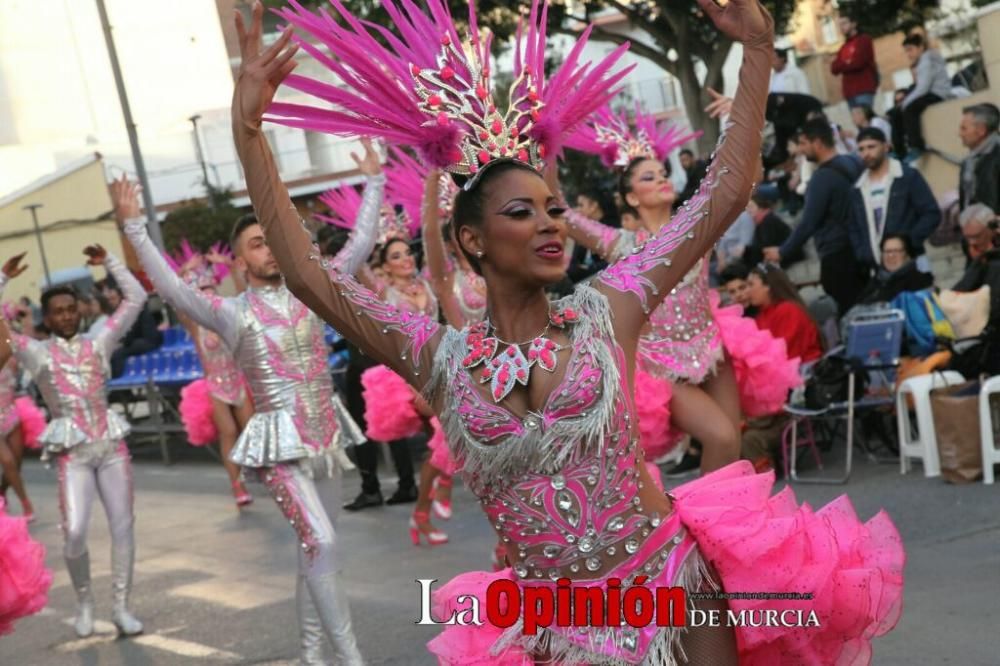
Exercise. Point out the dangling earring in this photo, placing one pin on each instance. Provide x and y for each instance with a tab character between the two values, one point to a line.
479	255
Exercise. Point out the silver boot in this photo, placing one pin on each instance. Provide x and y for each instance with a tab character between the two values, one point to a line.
330	599
79	574
122	558
310	628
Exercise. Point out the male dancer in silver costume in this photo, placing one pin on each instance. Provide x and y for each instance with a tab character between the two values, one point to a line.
85	437
292	443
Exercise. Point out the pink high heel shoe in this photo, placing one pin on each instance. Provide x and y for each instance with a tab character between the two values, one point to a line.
434	538
243	498
441	508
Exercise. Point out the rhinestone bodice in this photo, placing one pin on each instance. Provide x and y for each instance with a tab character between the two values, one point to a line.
219	365
561	486
283	354
682	341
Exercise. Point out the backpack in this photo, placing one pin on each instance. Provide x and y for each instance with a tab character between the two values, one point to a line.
925	321
828	383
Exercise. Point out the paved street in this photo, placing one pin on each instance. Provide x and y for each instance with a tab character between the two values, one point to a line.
214	586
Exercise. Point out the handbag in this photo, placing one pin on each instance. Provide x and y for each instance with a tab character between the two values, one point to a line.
956	425
828	383
968	311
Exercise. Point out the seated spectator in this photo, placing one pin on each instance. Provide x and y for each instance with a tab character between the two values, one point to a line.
980	230
737	289
694	169
597	205
733	244
932	85
787	112
787	77
782	312
890	198
769	231
865	116
629	219
980	181
897	273
895	118
143	337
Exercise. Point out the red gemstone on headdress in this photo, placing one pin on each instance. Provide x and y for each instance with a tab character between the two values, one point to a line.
447	72
482	92
492	109
522	155
473	168
434	100
535	115
532	95
442	118
484	156
445	40
541	151
492	145
514	131
414	70
497	127
484	135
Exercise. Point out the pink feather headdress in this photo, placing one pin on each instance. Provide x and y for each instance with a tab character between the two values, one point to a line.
344	203
427	89
194	268
405	185
617	142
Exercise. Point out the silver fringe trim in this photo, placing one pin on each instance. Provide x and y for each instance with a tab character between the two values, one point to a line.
664	650
538	449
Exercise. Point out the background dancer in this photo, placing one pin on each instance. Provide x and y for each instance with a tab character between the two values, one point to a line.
215	407
85	436
292	443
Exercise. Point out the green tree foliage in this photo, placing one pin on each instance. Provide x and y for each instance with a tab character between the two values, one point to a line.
201	223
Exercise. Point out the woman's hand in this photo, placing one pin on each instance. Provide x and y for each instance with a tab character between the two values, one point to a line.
96	254
720	104
125	197
261	72
370	164
13	267
744	21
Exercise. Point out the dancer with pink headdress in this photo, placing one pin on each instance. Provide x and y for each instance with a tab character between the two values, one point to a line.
395	412
21	421
544	429
692	377
85	437
216	407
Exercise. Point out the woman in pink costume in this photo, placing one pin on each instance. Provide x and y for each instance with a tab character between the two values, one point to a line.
393	410
691	374
217	407
24	580
429	195
544	429
21	421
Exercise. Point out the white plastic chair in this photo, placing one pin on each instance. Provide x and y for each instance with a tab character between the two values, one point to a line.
923	443
991	454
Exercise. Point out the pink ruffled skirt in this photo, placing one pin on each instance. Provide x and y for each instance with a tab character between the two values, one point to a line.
389	409
24	580
760	361
652	406
851	572
440	455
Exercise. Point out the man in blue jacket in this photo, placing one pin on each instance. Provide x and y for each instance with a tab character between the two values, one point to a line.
890	198
825	216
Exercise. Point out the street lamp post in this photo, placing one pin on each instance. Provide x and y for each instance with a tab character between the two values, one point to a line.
38	236
198	149
133	138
